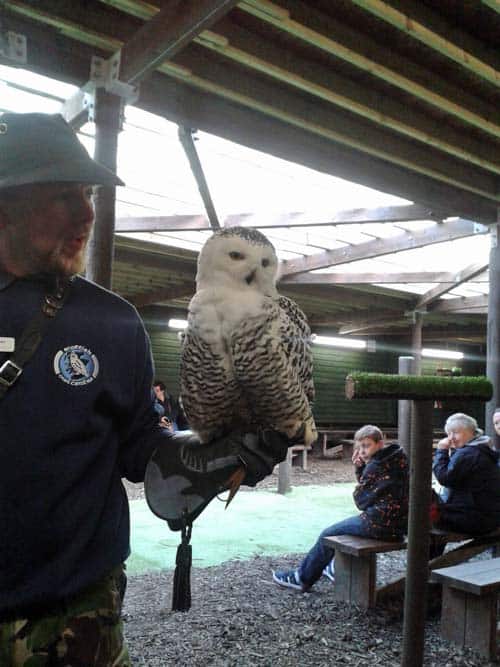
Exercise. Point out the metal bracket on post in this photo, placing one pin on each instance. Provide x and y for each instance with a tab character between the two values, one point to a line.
13	47
104	74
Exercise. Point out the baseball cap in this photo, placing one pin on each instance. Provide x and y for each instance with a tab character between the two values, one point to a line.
43	148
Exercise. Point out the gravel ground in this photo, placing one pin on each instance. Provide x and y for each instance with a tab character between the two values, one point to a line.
239	617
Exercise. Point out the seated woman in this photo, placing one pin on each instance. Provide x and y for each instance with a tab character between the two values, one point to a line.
470	502
382	496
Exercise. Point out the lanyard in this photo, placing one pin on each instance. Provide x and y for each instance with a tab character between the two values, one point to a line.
32	336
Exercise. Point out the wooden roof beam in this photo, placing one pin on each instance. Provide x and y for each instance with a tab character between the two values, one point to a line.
213	77
368	278
299	219
211	74
284	65
324	32
167	33
169	293
459	278
164	223
380	321
417	29
54	54
439	233
358	216
470	304
352	298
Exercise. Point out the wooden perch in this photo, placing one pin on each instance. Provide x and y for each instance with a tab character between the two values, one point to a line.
416	387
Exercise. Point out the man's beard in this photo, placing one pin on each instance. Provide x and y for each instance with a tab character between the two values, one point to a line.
32	261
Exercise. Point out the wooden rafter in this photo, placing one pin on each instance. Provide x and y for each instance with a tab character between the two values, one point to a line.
450	48
379	321
363	278
439	233
263	221
211	74
59	56
322	31
446	286
389	301
164	223
470	304
169	293
167	33
242	46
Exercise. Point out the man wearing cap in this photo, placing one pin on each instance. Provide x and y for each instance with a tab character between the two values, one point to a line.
77	415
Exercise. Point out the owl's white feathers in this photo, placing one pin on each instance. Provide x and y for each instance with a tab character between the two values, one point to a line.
246	359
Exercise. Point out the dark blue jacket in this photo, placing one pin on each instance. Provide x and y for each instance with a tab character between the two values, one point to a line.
382	492
472	477
79	418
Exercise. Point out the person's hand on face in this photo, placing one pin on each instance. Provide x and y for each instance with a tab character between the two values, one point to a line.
444	443
356	458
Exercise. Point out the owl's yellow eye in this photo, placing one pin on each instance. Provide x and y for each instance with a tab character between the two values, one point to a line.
234	254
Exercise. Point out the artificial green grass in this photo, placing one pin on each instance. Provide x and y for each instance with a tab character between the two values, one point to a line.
417	387
255	523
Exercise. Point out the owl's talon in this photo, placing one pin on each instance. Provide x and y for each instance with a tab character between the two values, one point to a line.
234	483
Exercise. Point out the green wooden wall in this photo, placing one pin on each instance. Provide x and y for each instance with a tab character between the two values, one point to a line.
331	365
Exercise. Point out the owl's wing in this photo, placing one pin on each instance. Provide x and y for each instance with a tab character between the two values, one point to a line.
299	346
211	396
273	364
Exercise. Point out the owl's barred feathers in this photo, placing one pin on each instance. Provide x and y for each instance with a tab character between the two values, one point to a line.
246	357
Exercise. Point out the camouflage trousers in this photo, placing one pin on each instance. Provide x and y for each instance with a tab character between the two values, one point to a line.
85	631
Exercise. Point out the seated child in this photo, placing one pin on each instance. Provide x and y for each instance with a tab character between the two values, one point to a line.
470	501
382	496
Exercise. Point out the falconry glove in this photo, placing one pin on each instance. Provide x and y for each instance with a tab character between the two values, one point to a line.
184	475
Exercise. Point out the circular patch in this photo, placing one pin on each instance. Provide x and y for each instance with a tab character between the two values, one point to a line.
76	365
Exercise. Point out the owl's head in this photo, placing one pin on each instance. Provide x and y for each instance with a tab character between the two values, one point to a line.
238	257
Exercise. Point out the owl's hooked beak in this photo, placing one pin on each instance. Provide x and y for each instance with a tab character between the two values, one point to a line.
249	279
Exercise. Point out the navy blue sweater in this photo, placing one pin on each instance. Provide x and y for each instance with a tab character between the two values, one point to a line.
79	418
472	477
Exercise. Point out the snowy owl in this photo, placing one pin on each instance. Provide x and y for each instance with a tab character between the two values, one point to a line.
246	359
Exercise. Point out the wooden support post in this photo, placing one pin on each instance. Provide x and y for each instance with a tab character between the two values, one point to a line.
416	341
418	534
285	474
493	333
101	246
406	366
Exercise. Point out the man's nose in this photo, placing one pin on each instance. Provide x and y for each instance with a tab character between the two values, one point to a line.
84	207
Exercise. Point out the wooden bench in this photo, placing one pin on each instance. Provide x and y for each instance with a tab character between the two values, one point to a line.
356	567
469	606
301	449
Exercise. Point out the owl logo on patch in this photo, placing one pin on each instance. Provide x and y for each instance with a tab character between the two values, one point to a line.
76	365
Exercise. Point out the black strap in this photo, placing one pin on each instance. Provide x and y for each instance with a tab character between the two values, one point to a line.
32	336
181	595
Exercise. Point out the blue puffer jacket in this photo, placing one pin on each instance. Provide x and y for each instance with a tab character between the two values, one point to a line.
382	493
472	477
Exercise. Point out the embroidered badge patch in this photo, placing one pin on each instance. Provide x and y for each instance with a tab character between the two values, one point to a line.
76	365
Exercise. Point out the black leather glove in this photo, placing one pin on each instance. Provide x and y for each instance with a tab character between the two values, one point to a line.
183	475
260	453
